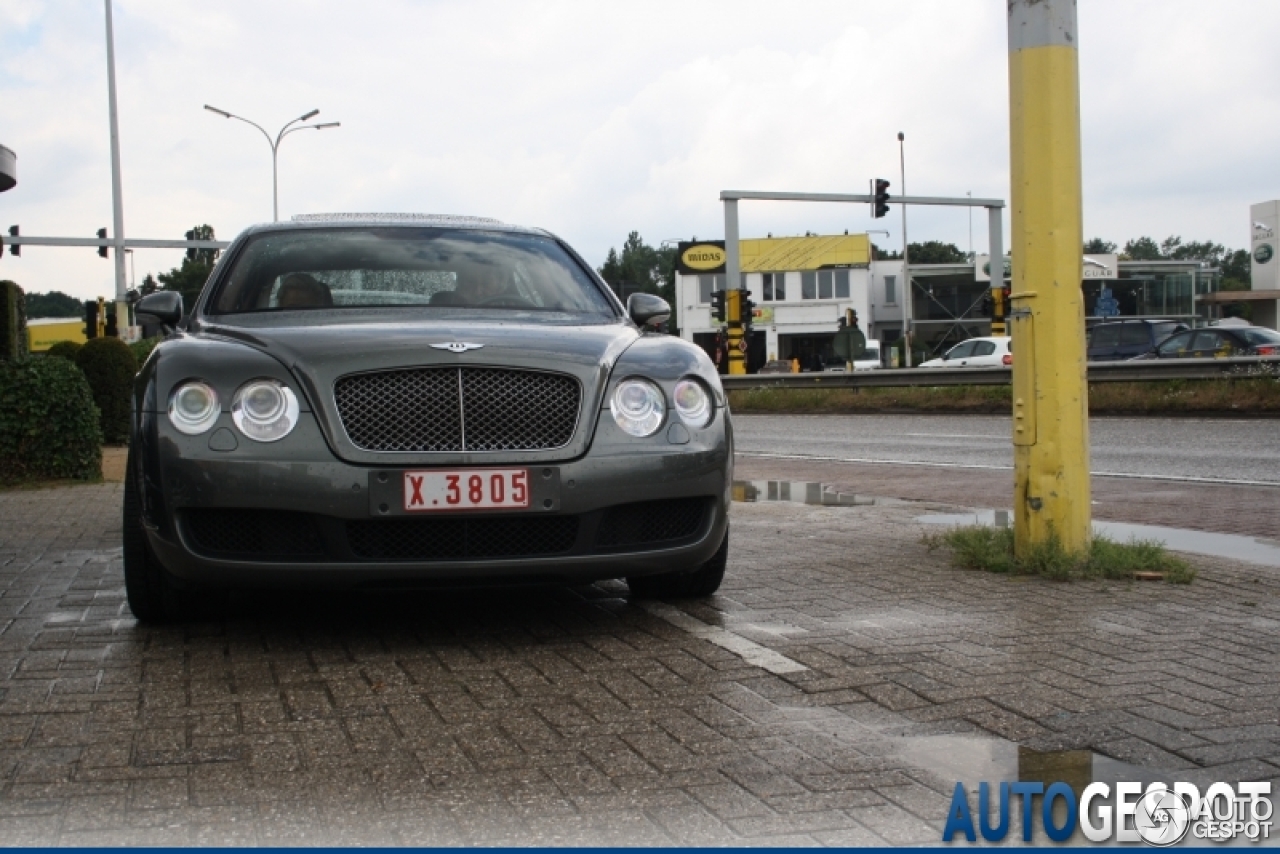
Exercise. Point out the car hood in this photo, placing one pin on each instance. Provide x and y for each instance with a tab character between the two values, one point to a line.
934	363
318	354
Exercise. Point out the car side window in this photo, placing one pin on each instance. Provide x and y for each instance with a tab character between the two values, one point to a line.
961	351
984	348
1134	335
1206	343
1176	345
1105	337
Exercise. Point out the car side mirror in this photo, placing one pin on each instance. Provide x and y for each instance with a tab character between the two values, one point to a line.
164	306
648	310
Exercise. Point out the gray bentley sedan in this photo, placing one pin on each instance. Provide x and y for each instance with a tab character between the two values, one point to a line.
398	401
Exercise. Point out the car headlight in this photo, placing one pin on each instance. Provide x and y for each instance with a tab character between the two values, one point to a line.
638	407
265	410
693	403
193	407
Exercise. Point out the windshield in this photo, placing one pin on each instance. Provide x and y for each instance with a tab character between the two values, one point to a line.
1259	335
443	269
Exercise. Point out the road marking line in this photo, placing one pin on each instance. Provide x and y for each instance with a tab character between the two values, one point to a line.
749	651
1166	477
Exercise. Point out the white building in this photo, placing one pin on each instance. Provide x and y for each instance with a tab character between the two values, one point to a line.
801	287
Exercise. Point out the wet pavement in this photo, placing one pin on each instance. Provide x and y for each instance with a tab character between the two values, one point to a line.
833	693
1205	449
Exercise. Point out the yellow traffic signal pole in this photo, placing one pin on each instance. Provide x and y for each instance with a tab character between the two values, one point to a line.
1050	392
733	289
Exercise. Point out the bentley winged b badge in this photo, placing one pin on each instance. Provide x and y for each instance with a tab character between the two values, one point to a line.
457	346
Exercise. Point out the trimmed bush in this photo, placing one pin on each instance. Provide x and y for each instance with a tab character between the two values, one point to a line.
13	322
142	348
64	350
109	366
48	422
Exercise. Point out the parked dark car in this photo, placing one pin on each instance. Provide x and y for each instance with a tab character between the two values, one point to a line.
1219	342
1124	339
373	401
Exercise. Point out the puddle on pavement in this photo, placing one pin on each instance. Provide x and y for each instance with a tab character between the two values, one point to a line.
978	758
802	492
1249	549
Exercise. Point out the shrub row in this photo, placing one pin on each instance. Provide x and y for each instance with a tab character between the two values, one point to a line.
49	424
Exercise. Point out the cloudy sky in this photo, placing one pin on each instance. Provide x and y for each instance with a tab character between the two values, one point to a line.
593	119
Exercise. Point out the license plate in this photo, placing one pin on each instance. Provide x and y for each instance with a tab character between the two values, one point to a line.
466	489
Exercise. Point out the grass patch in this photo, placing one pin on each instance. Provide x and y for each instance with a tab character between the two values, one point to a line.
991	549
1248	393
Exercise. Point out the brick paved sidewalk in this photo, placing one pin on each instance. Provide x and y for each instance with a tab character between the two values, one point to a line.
571	715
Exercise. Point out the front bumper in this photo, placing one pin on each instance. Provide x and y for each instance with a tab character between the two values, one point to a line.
295	515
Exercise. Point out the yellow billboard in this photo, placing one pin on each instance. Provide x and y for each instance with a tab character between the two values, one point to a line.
768	254
43	333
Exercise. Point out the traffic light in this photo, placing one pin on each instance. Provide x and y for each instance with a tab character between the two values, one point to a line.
112	330
718	311
988	304
880	206
102	235
745	309
14	248
90	319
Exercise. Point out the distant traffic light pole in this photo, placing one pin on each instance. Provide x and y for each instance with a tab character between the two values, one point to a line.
1050	392
275	145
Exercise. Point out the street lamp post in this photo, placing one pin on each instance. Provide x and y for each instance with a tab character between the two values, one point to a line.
275	145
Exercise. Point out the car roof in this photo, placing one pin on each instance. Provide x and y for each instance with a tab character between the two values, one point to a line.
392	220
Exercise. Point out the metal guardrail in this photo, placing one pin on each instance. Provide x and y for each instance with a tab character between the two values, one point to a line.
1142	370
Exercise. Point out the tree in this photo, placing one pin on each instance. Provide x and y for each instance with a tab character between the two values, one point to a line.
53	304
1142	249
878	254
189	278
1208	251
929	252
149	285
936	252
1237	272
1098	246
641	267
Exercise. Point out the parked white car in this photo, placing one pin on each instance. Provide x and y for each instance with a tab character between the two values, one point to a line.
991	352
870	361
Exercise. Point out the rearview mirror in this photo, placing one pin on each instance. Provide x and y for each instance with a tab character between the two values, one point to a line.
648	310
164	306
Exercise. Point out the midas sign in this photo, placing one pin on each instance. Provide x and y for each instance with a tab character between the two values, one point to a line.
703	256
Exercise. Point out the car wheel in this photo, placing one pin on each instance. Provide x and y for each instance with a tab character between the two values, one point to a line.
687	584
153	595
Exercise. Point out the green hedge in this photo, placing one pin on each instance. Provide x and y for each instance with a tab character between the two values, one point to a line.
142	348
48	422
110	366
13	322
64	350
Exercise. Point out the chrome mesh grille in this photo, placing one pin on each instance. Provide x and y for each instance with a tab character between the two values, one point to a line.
458	409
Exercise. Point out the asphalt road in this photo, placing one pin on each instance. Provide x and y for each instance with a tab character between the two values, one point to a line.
1215	450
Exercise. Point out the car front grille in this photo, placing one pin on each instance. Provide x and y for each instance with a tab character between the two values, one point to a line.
650	522
458	409
283	535
277	534
462	539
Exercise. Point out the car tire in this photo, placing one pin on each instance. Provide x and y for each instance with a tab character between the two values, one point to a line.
153	594
687	584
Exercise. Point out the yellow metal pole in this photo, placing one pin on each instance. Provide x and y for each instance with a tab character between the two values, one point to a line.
733	311
1051	406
